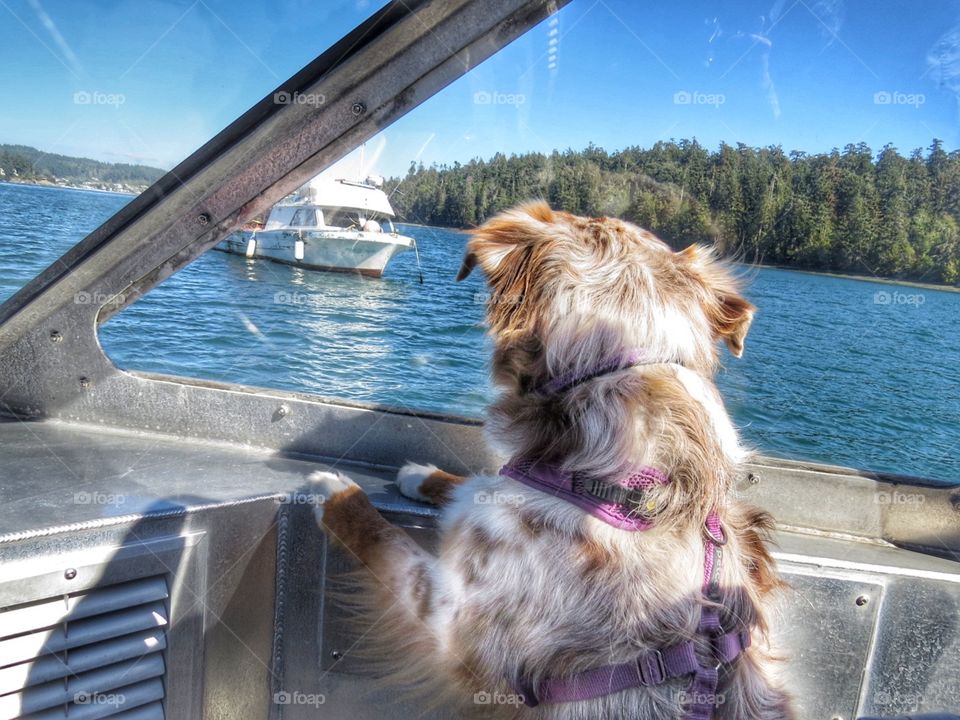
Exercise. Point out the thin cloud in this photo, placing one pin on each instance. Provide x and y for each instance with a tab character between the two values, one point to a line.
766	78
831	14
763	39
51	27
776	11
943	61
716	34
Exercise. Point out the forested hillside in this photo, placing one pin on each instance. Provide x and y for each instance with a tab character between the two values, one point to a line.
21	163
845	211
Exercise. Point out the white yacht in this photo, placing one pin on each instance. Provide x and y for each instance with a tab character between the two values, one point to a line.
327	224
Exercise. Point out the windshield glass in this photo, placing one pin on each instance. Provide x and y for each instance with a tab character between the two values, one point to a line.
788	137
115	94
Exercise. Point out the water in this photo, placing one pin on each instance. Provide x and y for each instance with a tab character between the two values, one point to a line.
831	372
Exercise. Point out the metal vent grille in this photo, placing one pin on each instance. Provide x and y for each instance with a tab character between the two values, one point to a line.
87	655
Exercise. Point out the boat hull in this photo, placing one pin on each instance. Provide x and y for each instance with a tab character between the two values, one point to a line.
364	253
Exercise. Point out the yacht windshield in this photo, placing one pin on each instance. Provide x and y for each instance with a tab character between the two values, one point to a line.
304	217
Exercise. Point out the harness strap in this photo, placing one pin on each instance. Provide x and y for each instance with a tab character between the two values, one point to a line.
628	359
658	666
651	668
602	500
701	697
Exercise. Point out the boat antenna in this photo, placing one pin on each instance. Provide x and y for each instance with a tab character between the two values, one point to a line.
416	252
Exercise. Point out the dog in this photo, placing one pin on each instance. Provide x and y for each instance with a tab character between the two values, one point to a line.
607	571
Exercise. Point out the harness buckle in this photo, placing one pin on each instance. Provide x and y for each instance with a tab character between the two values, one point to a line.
636	502
644	667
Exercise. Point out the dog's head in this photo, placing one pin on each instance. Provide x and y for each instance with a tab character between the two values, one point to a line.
595	287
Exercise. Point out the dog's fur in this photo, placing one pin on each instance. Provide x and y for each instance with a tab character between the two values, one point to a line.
528	586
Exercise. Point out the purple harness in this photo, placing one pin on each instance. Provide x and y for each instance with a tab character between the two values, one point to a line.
625	505
630	358
628	505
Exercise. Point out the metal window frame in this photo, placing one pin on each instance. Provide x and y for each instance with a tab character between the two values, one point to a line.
402	55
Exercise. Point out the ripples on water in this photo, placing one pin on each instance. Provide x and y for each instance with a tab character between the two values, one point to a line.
829	374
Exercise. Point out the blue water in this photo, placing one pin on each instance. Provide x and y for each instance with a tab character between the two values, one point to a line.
831	372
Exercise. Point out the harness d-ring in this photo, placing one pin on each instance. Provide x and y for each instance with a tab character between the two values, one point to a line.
722	540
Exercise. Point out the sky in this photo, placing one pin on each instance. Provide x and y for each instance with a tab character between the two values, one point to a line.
149	81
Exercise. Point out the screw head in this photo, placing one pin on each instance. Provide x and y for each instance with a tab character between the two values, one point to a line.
336	654
84	382
203	218
70	573
862	600
55	336
753	478
283	411
358	108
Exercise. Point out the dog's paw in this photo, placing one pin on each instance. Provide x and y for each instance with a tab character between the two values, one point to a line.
410	478
327	484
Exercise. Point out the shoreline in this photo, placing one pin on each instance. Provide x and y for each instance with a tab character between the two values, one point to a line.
433	227
826	273
866	278
55	186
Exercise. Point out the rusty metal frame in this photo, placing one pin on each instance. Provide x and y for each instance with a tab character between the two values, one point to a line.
405	53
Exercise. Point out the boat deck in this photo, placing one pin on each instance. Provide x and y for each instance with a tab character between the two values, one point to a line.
69	488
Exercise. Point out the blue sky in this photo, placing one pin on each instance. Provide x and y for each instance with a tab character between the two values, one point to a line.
151	80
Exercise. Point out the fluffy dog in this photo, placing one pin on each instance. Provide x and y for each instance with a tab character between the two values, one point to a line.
607	572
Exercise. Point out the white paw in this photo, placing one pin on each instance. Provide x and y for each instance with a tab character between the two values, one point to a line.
411	476
327	484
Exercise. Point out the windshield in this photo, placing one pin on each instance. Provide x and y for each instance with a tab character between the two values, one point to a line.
115	94
788	137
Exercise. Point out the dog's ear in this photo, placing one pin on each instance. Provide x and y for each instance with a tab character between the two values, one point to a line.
731	319
729	313
469	263
509	232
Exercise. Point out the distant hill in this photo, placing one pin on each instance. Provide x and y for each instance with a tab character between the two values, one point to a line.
21	163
